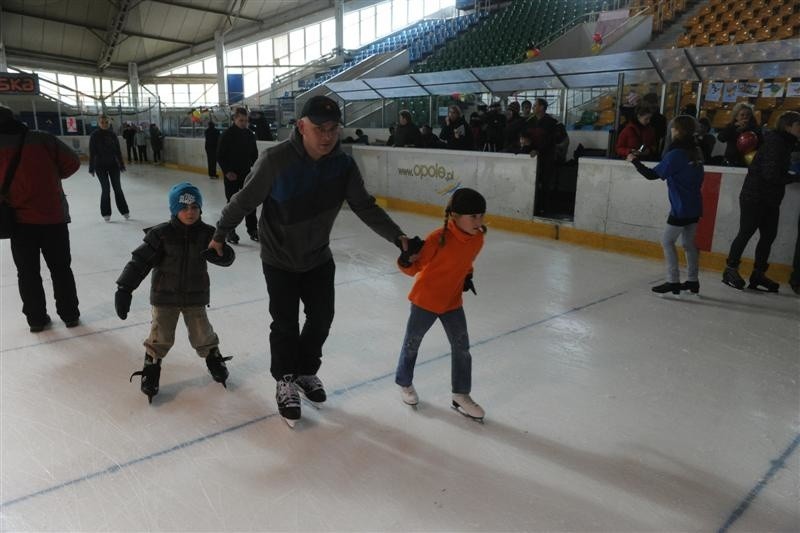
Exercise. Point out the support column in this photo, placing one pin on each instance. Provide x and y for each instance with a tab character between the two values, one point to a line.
339	17
222	80
133	83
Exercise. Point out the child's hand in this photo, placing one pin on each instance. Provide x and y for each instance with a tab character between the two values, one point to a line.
122	302
411	252
468	285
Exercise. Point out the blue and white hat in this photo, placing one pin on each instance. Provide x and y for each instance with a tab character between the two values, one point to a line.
182	195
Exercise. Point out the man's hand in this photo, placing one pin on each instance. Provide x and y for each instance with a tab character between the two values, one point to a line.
468	284
231	176
410	251
216	246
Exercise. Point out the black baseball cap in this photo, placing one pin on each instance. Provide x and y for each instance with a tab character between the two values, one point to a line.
321	109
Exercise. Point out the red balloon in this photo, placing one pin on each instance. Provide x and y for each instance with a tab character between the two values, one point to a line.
746	142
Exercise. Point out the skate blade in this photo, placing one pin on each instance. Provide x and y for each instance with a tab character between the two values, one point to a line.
289	422
460	411
733	285
760	289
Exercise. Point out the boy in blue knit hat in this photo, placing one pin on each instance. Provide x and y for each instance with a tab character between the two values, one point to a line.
174	251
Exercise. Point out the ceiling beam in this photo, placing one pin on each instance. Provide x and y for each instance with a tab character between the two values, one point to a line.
61	63
203	9
114	34
94	26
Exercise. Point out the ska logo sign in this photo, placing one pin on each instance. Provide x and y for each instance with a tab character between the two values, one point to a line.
19	83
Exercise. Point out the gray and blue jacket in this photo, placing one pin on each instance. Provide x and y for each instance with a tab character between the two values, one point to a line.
300	200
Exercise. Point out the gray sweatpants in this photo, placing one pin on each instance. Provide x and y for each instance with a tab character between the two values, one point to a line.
671	254
162	330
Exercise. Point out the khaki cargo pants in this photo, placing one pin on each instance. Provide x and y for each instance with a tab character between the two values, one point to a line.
162	330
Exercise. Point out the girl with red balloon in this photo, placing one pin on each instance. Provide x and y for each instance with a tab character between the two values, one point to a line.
760	201
742	135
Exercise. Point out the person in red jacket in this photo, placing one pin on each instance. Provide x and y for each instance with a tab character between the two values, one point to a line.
443	268
42	214
638	137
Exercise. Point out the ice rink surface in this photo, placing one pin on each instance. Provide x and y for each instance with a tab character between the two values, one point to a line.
608	408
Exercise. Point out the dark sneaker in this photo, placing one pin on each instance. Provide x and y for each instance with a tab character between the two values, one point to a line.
232	237
732	278
72	322
38	327
288	399
253	236
151	374
674	288
216	366
760	282
693	286
311	387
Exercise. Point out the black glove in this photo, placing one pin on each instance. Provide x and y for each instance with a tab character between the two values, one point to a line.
122	302
468	285
414	246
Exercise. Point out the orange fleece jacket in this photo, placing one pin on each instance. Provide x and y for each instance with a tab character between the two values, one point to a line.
441	270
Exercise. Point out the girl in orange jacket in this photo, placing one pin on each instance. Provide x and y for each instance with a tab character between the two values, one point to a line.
443	270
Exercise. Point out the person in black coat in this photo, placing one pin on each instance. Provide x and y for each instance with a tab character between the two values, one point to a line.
456	132
105	160
743	120
212	140
406	133
760	201
236	153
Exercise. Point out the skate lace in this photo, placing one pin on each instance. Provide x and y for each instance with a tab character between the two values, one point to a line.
287	395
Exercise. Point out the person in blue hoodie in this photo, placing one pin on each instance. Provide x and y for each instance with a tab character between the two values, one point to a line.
682	169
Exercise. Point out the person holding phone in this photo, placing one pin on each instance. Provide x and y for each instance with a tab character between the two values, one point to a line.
638	137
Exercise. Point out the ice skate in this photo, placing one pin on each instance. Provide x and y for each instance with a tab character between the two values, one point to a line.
151	373
232	237
467	407
311	387
691	286
288	400
732	278
409	395
674	288
760	282
216	366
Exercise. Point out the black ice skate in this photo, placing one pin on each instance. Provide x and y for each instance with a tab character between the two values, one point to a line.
674	288
311	387
151	373
288	400
692	286
760	282
216	366
732	278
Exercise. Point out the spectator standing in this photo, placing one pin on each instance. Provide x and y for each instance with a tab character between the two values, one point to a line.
427	139
760	201
638	137
129	134
212	140
295	228
105	160
236	153
156	142
743	120
42	214
455	132
514	125
406	132
260	127
141	143
657	121
495	123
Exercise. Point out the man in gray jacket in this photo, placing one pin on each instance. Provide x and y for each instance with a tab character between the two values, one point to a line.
301	184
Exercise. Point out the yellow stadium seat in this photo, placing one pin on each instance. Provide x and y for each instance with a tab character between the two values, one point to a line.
721	118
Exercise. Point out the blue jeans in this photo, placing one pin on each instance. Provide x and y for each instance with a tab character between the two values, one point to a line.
455	326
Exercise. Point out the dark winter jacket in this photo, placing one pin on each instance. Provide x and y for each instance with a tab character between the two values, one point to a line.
156	138
300	199
237	151
462	141
682	169
768	174
104	151
729	134
406	135
180	273
212	139
36	193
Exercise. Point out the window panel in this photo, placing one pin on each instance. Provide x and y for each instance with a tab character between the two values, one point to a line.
196	68
265	77
179	70
328	36
399	14
431	6
297	58
196	91
280	45
210	65
367	25
233	58
415	10
296	40
383	19
265	52
351	32
250	55
251	82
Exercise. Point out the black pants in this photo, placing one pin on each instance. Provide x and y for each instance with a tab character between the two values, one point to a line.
52	241
231	188
294	351
156	154
109	177
752	217
211	157
142	152
795	277
131	150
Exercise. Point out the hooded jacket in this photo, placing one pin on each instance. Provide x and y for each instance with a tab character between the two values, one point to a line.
36	193
300	199
768	174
